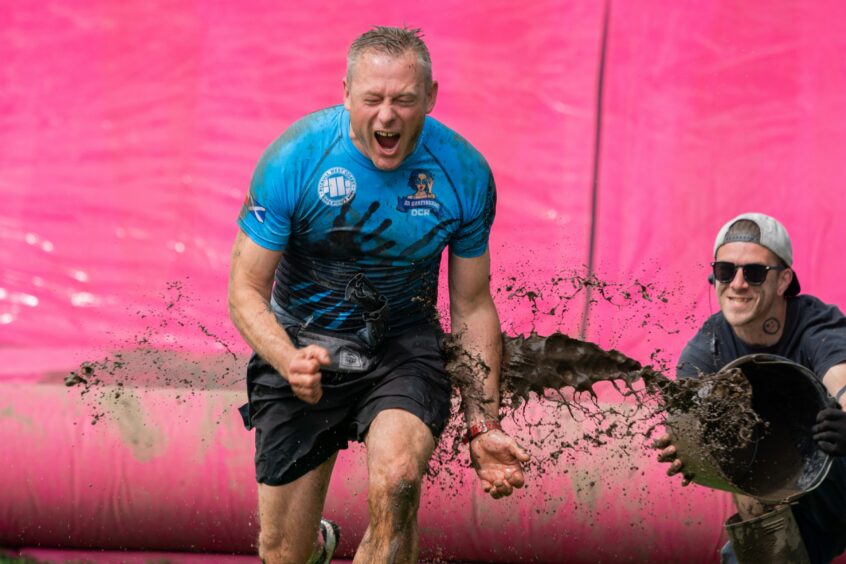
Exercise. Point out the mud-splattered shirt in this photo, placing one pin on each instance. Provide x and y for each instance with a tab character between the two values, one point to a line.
815	337
316	197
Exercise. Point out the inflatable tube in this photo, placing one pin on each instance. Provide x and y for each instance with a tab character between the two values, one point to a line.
170	469
44	555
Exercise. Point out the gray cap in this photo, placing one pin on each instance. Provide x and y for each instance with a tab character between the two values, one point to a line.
773	236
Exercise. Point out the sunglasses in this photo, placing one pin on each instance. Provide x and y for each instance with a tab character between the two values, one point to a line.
754	274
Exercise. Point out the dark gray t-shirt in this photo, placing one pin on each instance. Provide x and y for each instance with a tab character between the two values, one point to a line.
815	337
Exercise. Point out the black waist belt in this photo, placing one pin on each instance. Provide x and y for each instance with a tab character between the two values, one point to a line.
348	352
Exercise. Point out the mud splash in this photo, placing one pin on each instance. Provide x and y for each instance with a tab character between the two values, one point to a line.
161	356
536	364
563	373
547	382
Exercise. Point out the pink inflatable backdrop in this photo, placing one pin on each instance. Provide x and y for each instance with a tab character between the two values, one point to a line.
622	135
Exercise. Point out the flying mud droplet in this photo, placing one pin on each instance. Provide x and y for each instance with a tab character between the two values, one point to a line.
548	384
563	372
536	363
557	373
171	351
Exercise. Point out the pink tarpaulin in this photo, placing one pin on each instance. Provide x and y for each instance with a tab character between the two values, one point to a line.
129	131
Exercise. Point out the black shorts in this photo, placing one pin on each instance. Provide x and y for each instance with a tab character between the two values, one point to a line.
293	437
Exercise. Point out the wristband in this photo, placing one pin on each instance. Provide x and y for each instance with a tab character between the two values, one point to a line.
839	394
480	428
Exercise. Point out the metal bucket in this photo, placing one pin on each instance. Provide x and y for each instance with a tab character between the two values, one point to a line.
781	462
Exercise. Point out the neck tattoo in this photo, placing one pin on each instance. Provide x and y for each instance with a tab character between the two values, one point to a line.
772	326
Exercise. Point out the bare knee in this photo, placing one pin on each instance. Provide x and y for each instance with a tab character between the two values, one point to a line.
395	492
275	547
269	544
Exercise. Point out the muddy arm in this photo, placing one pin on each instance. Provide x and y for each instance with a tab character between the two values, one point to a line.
475	323
250	284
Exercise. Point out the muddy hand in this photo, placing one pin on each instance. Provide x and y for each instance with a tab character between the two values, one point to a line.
498	461
830	431
668	454
304	372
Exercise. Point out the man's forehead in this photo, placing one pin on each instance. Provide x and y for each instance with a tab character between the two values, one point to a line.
738	248
376	66
377	55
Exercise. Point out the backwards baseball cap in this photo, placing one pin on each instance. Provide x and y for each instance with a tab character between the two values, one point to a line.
771	234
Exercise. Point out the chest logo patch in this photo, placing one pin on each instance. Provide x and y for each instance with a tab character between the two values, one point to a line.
336	187
423	201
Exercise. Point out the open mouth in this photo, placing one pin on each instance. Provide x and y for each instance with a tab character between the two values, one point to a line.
388	140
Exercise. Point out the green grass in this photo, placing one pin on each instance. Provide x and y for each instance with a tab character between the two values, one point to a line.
6	559
9	559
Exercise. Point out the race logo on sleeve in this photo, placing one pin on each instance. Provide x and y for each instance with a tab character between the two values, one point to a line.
423	201
336	186
251	207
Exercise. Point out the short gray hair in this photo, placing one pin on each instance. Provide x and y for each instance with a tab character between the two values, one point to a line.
393	41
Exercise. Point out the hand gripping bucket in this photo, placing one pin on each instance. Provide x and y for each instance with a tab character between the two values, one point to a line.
781	462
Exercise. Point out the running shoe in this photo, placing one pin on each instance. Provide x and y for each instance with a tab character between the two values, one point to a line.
331	534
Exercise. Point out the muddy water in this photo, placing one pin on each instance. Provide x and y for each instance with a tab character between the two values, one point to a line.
175	350
562	373
555	373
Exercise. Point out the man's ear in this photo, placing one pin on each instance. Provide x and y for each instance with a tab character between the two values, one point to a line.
784	280
346	94
432	97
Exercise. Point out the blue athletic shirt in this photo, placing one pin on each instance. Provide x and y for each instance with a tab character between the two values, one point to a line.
318	199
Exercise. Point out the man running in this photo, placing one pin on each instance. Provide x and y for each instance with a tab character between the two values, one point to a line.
333	284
